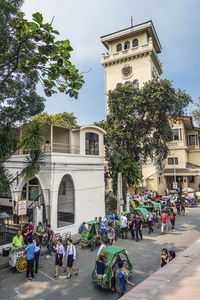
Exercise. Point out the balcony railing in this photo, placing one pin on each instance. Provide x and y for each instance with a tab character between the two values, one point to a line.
194	147
55	148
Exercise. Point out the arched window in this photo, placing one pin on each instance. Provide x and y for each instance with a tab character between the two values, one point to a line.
136	84
126	45
65	211
91	143
119	47
135	43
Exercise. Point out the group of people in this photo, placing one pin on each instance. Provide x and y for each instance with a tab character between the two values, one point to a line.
32	240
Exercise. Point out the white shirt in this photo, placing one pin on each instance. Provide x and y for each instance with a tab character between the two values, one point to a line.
100	248
37	248
124	222
71	250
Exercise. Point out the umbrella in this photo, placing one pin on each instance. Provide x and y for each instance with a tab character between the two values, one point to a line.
188	190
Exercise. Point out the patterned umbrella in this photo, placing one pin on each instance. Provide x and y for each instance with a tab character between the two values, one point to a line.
188	190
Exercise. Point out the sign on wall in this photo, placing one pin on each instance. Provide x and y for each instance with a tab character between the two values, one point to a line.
22	207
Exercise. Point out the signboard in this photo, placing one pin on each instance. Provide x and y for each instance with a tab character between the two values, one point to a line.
22	207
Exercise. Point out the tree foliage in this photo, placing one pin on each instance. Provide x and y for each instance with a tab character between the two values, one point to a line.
138	126
62	119
29	52
196	114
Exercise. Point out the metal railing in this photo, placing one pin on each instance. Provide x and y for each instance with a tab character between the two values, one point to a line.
57	148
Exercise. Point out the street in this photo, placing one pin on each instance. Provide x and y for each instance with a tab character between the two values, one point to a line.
145	256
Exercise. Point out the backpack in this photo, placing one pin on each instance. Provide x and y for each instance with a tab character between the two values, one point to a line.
171	216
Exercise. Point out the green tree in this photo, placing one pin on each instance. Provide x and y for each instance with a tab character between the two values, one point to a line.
196	114
29	52
138	127
63	119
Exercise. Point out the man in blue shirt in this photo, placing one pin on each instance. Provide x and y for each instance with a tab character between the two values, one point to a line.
30	250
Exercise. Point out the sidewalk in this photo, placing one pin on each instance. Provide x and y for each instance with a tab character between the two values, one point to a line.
179	280
4	260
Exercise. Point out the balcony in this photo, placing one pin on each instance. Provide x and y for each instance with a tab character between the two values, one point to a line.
56	148
128	53
194	147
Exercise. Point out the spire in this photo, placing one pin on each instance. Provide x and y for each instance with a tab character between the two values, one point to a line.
131	21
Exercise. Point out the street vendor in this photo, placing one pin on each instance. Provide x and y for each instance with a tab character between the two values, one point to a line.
18	240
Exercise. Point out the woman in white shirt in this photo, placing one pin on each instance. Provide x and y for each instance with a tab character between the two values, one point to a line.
70	256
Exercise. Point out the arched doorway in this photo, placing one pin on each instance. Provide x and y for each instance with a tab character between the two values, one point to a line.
65	208
32	192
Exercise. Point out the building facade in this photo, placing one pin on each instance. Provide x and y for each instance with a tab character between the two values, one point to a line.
70	187
132	56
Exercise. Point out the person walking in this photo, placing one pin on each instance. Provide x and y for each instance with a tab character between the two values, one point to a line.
149	221
70	256
178	206
111	234
138	228
124	226
183	207
130	225
164	220
121	279
172	218
50	240
37	243
158	217
60	254
30	251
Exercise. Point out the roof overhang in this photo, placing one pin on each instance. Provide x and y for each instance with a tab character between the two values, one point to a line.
147	26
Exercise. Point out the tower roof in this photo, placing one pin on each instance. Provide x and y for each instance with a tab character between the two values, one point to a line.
147	26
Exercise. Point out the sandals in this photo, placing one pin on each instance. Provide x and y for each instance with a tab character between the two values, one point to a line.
56	275
68	276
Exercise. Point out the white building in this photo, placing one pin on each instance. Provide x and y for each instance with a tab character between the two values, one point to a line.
70	187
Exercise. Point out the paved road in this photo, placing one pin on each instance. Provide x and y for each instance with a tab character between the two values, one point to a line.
144	255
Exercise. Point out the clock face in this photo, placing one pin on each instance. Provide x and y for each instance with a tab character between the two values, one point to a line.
126	71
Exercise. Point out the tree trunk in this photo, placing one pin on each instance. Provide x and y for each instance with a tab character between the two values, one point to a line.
124	191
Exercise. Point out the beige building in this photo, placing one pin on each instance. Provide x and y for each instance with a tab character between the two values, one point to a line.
132	57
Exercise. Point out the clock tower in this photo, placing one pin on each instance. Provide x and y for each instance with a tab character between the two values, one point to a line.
131	56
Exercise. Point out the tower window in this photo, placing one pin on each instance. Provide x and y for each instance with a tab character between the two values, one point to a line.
135	43
119	47
136	84
126	45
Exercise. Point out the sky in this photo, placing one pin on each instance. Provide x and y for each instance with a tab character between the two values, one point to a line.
83	22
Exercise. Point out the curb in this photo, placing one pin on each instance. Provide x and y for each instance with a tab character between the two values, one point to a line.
44	251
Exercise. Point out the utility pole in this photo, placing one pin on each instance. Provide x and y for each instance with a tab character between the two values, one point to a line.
120	201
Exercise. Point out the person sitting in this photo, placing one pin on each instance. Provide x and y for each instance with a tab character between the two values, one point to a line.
100	269
103	245
18	240
164	258
172	254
